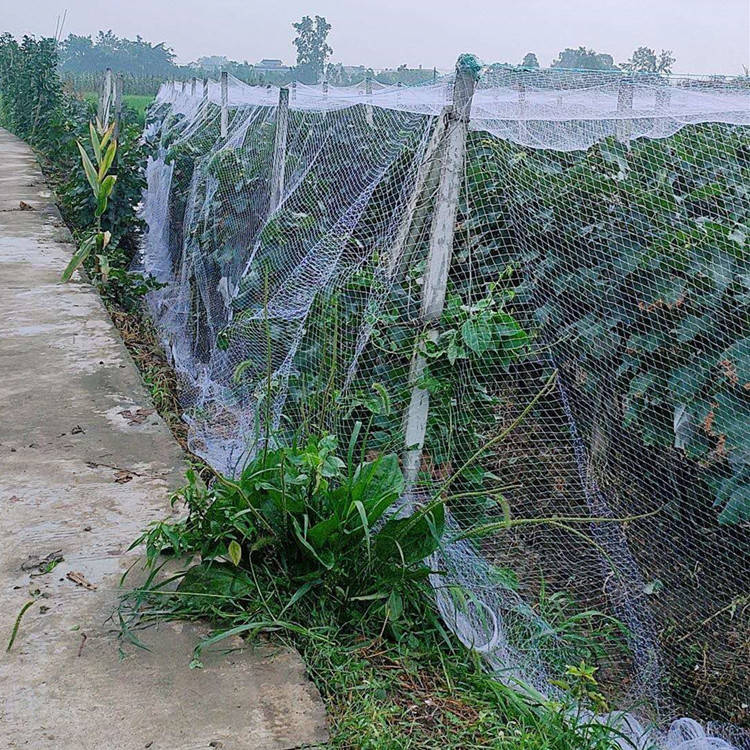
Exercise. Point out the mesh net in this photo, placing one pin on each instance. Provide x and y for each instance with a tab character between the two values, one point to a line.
539	296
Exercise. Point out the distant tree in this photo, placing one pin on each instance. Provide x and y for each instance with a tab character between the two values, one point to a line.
82	54
645	60
405	75
312	47
77	54
530	61
212	62
584	59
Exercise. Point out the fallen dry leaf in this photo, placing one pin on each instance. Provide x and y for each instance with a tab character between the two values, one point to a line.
139	416
78	578
25	206
122	476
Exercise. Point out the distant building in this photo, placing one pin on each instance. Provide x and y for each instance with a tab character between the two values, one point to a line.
268	64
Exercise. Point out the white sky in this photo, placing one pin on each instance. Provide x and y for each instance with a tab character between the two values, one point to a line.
707	36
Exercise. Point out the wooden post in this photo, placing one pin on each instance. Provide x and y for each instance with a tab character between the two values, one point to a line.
294	91
368	106
193	85
438	263
205	90
224	103
416	211
325	87
105	99
119	85
425	185
184	86
624	105
522	112
279	150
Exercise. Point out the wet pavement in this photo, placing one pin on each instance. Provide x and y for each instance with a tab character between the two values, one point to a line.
78	481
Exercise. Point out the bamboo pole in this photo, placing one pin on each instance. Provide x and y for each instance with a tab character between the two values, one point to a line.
522	112
119	85
624	106
279	150
368	106
105	98
224	103
438	263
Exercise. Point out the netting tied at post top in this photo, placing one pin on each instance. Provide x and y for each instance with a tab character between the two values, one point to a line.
558	110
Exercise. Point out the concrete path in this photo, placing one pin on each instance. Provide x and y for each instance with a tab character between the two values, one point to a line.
79	479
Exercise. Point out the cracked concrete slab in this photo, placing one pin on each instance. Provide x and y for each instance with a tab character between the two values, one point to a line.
65	379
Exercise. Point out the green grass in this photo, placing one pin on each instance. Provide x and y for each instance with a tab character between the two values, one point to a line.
137	102
385	696
419	693
288	549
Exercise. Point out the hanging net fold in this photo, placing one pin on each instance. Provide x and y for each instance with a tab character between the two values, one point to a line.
585	386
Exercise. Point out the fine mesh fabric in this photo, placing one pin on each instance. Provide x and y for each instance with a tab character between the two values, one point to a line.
583	379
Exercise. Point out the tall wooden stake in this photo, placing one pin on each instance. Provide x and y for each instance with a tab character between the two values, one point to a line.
368	106
279	150
224	103
624	105
193	85
105	99
522	112
119	85
438	264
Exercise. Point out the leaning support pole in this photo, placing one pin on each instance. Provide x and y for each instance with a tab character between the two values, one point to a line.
368	106
425	185
119	85
105	98
439	258
279	150
224	103
624	107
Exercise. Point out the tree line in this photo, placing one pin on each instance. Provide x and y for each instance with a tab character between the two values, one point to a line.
137	57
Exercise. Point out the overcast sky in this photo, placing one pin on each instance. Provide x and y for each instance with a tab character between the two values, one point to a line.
707	36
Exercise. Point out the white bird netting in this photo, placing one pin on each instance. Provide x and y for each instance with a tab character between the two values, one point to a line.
566	332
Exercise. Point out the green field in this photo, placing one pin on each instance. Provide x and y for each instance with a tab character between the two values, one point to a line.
137	102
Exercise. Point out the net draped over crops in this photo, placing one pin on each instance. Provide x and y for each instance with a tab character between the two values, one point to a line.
585	383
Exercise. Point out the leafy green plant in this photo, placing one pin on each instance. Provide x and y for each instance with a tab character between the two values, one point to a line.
34	106
102	183
319	522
